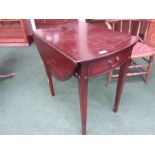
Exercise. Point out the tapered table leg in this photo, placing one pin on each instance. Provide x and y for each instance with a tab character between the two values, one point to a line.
49	76
83	91
50	81
121	79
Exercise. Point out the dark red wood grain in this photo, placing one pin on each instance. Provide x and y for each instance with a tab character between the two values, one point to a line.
56	63
82	41
86	51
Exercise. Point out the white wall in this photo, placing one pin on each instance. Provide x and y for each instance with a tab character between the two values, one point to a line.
28	25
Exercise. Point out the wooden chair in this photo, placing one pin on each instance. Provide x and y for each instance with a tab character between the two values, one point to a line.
7	75
141	49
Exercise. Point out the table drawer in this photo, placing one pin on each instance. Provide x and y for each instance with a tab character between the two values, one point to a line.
102	66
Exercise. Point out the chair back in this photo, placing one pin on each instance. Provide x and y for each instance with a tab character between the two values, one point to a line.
135	27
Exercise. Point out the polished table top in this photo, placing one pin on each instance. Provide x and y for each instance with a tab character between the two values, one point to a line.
82	42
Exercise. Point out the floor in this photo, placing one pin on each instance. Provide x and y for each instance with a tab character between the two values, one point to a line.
26	106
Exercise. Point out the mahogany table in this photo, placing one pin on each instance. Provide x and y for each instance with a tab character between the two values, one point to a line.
85	51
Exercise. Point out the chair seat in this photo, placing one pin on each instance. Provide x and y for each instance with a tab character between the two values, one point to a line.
142	50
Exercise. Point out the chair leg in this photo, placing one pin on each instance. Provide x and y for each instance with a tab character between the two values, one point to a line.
149	69
7	75
109	77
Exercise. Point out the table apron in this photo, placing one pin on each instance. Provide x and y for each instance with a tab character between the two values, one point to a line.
102	66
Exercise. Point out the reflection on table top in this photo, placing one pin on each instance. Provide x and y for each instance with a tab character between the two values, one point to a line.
83	42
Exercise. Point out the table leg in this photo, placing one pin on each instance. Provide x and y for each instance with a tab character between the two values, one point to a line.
50	81
51	84
83	90
121	79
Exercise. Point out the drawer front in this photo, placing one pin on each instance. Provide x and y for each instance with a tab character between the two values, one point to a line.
111	62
